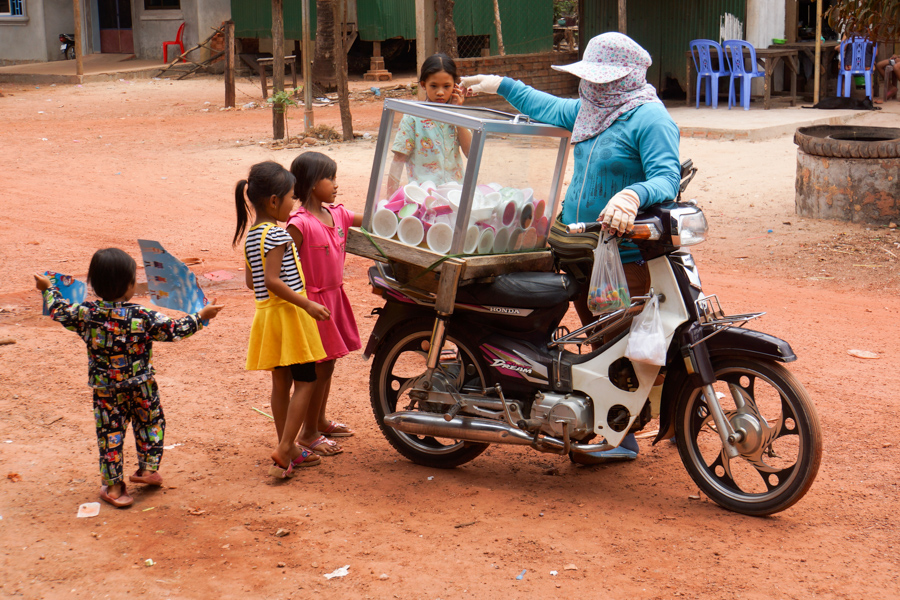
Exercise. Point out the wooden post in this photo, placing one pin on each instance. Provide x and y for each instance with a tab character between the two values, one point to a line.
79	59
307	68
817	62
278	112
229	64
499	28
791	20
340	60
424	35
623	20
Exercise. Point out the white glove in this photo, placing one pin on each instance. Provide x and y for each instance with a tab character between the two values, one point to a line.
488	84
620	212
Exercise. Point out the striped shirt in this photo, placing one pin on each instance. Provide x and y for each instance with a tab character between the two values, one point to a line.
272	236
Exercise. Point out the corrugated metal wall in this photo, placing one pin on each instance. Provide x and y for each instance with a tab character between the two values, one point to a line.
253	18
527	25
664	27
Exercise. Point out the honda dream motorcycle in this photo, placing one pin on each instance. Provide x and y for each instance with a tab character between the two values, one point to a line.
500	370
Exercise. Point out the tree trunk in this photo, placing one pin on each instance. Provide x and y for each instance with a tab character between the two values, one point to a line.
340	64
323	71
446	28
498	26
278	113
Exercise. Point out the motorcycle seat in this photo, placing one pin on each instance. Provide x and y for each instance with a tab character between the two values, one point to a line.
521	290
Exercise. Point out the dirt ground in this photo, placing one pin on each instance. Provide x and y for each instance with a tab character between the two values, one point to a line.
104	164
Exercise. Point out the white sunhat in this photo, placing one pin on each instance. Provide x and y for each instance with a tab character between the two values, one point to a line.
609	56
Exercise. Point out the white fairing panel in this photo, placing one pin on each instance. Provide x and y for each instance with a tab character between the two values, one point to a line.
592	377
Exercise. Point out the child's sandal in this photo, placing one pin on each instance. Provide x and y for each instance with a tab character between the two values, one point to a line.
336	429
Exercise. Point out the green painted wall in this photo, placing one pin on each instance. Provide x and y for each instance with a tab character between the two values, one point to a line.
527	25
664	27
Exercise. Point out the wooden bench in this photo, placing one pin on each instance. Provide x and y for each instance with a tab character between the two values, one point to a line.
262	63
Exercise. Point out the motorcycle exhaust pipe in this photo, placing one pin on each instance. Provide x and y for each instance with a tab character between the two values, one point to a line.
467	429
471	429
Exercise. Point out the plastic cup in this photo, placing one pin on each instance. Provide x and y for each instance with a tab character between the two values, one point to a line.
542	226
408	210
501	240
515	239
529	239
527	215
486	241
539	208
439	238
415	193
410	231
384	223
471	242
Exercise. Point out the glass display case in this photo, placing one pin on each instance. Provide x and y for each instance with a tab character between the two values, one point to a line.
463	181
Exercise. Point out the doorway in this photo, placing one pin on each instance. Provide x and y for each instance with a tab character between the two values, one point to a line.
116	34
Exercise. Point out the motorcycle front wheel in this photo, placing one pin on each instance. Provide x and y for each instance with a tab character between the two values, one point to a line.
782	440
398	365
70	53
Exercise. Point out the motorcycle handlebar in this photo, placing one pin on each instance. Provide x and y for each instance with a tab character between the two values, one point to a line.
584	227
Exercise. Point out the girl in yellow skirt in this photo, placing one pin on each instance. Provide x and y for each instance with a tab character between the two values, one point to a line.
284	338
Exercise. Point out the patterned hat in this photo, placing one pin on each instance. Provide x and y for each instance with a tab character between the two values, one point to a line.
609	56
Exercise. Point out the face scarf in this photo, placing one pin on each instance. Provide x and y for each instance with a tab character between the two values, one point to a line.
603	103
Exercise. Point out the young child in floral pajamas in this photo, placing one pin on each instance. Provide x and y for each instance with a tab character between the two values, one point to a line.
119	337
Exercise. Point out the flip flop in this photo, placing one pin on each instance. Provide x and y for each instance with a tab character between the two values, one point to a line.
153	478
306	458
336	429
328	447
121	502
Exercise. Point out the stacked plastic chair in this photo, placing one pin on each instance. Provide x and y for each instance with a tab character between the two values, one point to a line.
708	70
861	62
742	68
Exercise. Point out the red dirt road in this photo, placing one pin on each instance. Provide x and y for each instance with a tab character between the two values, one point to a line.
104	164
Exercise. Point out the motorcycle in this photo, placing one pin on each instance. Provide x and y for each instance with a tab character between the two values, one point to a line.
500	370
67	45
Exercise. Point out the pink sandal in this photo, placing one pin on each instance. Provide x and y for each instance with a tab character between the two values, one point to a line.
306	458
329	447
336	429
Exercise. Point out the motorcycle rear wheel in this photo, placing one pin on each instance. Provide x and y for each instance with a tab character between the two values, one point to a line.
70	53
782	447
398	364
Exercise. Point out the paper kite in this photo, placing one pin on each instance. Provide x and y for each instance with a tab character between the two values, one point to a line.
70	288
169	282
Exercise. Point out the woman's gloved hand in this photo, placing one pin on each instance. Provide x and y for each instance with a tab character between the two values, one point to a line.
620	212
488	84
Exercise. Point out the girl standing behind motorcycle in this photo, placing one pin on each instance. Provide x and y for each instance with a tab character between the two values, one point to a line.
626	150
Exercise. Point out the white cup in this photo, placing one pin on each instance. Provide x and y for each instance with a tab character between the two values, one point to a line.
529	239
471	243
486	241
384	223
501	240
410	231
439	238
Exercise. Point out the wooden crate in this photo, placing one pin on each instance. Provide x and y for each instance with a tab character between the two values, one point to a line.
410	262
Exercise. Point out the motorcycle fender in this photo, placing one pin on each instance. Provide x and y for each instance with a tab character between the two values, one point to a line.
390	315
733	341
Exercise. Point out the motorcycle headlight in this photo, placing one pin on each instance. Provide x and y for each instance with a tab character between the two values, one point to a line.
689	226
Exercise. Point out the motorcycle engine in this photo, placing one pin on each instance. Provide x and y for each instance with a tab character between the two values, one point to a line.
577	411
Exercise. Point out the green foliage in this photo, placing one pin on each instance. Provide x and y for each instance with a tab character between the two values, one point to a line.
281	100
880	19
564	8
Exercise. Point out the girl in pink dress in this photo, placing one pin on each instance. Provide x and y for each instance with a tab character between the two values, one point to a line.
319	229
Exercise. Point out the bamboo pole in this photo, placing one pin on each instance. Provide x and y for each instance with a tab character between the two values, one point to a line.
499	28
307	68
229	64
79	59
817	62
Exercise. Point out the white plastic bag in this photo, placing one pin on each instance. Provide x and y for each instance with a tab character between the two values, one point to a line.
646	342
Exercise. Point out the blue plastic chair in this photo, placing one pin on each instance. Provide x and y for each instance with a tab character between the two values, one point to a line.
861	62
709	70
742	68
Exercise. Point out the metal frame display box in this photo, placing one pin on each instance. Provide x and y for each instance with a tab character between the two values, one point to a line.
495	220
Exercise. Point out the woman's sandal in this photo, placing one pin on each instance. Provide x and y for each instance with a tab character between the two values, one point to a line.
152	478
306	458
121	502
336	429
325	447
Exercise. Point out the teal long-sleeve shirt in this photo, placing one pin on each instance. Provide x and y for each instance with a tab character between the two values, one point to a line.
639	152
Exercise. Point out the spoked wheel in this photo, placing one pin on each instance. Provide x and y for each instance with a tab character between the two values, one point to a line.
782	441
397	368
70	53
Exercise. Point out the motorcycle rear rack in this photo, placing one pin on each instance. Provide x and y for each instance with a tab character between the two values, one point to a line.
709	312
593	331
